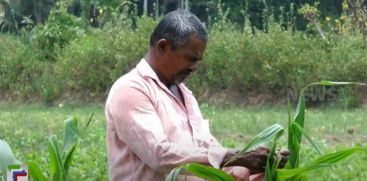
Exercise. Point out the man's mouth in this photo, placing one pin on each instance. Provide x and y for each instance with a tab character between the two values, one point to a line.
186	73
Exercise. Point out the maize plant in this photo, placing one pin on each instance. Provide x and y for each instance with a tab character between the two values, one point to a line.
60	160
292	171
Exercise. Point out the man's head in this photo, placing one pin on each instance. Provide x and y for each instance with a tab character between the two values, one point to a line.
176	27
176	45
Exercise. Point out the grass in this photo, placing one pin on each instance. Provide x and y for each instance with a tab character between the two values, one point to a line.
26	128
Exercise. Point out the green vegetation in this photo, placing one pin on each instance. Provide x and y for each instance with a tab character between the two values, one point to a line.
60	160
270	137
66	59
25	128
51	52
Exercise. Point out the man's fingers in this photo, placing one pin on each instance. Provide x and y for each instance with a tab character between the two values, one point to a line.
283	161
284	152
262	150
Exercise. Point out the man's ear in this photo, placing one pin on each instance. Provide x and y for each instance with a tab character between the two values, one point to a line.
162	46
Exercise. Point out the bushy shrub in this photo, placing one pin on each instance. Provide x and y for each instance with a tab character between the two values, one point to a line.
91	63
59	29
9	46
21	67
85	62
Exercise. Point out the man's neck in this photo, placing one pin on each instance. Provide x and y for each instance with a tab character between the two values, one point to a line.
153	64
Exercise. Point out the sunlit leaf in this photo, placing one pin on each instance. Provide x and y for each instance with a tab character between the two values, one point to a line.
57	171
35	172
69	157
272	161
309	139
324	161
201	171
207	172
72	134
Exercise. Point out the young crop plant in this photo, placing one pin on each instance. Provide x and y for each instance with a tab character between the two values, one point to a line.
292	170
60	160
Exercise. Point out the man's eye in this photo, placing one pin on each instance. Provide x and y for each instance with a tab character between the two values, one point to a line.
193	59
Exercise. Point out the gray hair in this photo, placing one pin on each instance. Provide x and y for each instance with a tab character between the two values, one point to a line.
176	27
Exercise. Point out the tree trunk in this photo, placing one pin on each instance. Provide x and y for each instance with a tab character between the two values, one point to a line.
187	5
157	8
2	13
145	8
318	29
360	17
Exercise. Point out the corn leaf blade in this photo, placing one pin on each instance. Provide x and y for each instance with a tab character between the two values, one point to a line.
309	139
326	82
57	171
294	135
69	157
272	162
35	172
174	174
207	172
72	134
323	161
84	130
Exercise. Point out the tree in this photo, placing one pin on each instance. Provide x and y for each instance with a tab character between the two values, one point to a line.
358	12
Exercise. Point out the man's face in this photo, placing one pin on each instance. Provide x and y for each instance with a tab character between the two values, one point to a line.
181	62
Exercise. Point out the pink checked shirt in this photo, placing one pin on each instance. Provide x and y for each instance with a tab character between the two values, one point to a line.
150	131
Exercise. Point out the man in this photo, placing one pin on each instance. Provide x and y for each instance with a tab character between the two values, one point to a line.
153	120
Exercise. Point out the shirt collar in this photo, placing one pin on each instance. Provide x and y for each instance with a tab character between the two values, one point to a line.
146	70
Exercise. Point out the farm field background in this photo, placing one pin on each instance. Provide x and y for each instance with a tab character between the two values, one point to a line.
26	128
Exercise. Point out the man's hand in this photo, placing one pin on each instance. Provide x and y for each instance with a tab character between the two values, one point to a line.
254	160
283	154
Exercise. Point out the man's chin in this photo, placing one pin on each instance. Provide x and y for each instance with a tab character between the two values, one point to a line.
180	79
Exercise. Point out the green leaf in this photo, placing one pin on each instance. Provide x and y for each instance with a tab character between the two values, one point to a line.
174	174
35	172
299	128
323	161
294	135
57	171
291	147
272	162
262	138
69	157
207	172
72	134
6	157
326	82
201	171
86	126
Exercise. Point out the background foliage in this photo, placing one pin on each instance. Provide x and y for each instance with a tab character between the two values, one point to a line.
254	46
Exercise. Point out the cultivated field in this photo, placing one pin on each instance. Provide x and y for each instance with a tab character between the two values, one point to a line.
27	127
